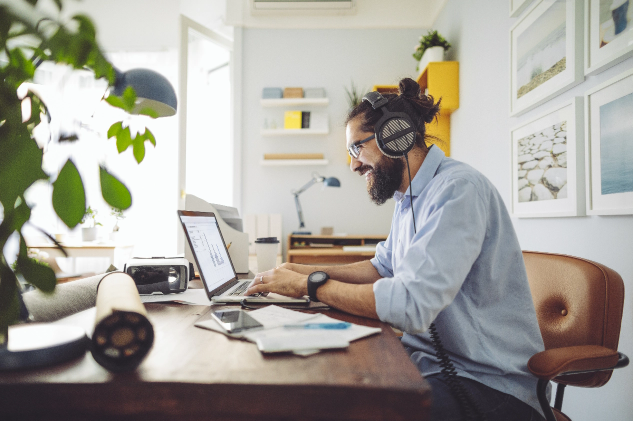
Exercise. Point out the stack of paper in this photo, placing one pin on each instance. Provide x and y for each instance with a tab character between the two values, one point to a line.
275	337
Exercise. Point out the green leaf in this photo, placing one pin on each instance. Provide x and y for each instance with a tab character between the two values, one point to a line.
35	273
129	98
114	192
139	148
150	136
115	129
123	139
20	166
149	112
116	101
69	197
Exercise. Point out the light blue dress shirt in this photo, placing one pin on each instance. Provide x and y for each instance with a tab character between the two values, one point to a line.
463	270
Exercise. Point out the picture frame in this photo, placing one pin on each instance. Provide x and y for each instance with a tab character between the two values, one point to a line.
609	146
607	42
547	170
546	53
518	6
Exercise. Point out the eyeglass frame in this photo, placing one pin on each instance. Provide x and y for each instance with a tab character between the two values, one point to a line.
354	150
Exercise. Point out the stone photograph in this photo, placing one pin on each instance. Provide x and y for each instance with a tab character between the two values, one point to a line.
541	49
542	164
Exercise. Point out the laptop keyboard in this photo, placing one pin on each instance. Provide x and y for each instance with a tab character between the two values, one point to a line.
242	288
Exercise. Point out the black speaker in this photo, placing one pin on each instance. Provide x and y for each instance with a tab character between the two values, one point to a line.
395	132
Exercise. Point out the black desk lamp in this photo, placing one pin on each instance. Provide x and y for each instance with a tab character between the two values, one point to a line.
316	178
152	89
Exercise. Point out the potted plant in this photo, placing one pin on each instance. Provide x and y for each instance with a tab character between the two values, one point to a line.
118	214
431	48
30	35
90	233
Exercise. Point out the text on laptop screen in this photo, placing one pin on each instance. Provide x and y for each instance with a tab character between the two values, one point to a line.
207	245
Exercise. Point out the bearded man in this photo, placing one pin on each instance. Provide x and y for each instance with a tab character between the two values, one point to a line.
450	268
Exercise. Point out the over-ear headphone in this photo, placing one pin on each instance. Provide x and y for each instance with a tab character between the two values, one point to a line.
395	132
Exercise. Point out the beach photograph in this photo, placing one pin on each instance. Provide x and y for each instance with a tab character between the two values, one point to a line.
541	49
542	164
616	146
615	20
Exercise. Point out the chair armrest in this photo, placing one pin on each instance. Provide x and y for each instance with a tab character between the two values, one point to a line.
554	362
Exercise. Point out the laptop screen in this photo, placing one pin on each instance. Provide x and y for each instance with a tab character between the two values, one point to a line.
209	250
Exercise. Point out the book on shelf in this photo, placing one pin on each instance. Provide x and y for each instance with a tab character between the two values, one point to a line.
292	120
273	156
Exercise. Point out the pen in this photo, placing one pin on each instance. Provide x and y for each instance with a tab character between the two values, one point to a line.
229	245
342	325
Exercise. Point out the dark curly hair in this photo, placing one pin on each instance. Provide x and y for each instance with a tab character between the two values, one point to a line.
410	100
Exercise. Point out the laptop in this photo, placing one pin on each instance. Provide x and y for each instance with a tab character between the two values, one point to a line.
215	266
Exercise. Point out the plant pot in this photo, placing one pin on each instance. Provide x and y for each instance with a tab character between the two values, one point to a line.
430	55
89	234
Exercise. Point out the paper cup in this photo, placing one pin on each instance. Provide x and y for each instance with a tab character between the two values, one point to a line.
266	249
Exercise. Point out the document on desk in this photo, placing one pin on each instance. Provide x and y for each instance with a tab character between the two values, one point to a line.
191	296
274	337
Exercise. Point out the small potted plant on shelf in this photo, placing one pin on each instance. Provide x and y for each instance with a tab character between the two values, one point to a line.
118	214
90	233
431	48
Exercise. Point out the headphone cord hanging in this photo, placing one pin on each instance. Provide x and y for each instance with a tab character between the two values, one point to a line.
469	407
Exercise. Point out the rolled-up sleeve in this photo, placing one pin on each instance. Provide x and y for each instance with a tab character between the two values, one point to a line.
451	231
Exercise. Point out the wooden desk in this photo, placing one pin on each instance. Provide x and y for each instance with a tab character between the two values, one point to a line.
307	249
196	374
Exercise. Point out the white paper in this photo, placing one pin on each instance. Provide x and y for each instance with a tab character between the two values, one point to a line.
197	297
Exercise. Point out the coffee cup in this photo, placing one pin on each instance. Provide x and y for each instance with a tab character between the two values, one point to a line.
266	249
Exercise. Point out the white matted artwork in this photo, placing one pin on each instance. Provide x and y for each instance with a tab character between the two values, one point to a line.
609	26
609	146
518	6
546	53
548	163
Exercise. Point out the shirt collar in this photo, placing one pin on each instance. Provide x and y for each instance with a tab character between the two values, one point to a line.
425	174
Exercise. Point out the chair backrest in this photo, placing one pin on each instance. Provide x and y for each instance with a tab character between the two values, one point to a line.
577	302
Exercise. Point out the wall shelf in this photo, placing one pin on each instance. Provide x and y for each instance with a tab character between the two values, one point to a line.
291	102
287	162
293	132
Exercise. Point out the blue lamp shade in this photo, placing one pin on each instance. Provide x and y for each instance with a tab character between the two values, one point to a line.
332	182
152	89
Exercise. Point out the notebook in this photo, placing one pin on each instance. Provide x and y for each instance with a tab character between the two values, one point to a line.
215	266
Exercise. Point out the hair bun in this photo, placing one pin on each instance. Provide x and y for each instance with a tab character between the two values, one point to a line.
409	88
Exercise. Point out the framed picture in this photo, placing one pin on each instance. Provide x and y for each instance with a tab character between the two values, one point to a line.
518	6
609	28
548	163
546	53
609	146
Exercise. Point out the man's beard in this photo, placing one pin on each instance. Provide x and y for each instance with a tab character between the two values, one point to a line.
385	179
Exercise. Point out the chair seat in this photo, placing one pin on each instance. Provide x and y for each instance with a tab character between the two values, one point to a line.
560	416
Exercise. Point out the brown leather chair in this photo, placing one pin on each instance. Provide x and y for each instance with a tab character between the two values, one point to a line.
579	309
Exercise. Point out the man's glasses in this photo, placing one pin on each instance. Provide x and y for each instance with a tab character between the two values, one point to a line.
354	148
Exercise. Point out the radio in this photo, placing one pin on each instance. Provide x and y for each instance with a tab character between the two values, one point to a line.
160	274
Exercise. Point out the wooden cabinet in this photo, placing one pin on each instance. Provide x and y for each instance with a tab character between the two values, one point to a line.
331	249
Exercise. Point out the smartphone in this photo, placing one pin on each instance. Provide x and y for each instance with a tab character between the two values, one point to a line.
234	321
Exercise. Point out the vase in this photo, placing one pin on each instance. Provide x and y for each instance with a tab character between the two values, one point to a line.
89	234
431	55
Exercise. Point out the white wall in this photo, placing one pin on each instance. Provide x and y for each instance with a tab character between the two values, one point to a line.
316	58
479	33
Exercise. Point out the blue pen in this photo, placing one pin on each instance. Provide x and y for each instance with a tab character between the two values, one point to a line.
342	325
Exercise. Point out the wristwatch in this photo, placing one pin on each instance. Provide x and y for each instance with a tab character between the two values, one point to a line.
315	280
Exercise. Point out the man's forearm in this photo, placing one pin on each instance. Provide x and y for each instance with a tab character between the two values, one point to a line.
354	299
354	273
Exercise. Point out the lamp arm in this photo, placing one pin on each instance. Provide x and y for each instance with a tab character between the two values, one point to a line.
299	211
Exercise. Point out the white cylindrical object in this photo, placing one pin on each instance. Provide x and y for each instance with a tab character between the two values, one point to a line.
266	249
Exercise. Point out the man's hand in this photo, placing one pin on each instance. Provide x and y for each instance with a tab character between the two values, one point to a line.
280	281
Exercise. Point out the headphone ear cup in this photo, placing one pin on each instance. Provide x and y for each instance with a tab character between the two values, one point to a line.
395	136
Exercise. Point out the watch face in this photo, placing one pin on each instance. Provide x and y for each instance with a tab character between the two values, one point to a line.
318	276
